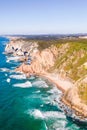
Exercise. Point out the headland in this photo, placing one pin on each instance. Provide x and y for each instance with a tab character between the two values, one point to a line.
61	61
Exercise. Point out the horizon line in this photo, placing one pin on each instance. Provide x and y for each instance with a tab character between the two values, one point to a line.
44	34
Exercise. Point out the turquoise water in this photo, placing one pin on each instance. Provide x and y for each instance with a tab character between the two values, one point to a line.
29	104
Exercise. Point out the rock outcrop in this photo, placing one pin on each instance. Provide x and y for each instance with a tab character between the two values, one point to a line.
20	47
41	61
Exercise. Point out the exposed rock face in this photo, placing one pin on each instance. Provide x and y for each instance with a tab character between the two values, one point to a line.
73	99
20	47
41	62
14	45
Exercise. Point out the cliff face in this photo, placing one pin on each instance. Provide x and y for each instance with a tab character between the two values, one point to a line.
20	47
73	61
15	44
66	59
42	61
69	59
76	98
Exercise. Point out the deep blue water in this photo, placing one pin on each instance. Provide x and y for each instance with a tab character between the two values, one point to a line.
29	104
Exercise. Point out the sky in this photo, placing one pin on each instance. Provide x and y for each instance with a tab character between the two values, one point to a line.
43	16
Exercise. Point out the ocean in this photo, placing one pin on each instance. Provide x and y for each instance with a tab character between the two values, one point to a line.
29	103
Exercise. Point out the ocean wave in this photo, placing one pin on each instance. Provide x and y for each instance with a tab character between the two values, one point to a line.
41	105
54	90
23	85
46	115
4	70
7	61
40	84
18	76
38	91
6	75
32	77
49	115
8	80
35	113
59	125
54	114
16	58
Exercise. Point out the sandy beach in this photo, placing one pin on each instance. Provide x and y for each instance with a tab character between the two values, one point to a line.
62	84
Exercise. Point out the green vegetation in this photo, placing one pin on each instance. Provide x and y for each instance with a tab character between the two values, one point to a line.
72	58
72	54
82	91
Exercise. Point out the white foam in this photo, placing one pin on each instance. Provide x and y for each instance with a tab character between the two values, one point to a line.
19	76
8	80
54	114
7	61
23	85
40	84
46	115
6	75
41	105
54	90
58	117
36	113
32	77
46	126
4	70
59	125
37	91
16	58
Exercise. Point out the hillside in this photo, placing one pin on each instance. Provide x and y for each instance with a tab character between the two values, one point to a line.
66	59
72	57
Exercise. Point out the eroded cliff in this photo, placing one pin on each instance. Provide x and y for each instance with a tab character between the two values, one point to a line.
66	58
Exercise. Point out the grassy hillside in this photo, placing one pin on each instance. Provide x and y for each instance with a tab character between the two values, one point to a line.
72	55
71	61
72	58
82	88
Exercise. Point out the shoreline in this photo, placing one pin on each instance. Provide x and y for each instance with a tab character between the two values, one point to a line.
58	81
42	60
78	108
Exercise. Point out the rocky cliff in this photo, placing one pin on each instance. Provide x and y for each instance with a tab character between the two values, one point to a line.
41	61
76	98
67	58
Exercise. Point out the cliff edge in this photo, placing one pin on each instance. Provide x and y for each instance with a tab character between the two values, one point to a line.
64	62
